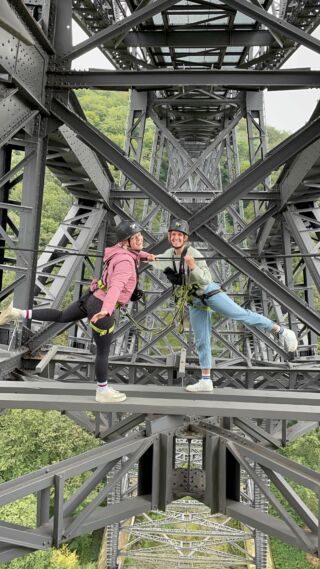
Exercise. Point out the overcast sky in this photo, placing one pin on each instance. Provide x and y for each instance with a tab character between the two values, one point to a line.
285	110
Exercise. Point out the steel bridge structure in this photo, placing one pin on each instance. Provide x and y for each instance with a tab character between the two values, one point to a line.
196	72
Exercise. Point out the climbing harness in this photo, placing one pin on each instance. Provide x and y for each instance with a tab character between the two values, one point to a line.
205	296
100	284
176	317
183	294
177	277
100	331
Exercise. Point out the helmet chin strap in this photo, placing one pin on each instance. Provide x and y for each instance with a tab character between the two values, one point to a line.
131	248
178	248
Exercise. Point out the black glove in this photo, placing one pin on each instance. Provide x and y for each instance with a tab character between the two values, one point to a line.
174	277
137	294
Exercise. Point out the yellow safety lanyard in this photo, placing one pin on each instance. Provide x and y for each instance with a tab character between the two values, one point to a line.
100	331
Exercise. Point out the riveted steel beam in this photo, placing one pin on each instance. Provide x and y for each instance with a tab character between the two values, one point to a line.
31	25
277	24
118	28
10	22
238	79
299	230
195	101
191	38
240	187
264	522
15	114
259	171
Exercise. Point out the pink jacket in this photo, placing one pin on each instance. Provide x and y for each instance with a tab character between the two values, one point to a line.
120	277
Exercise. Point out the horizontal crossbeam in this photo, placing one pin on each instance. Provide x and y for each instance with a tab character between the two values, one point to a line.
203	38
249	403
237	79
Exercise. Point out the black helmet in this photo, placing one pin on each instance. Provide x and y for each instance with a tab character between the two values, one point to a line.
179	225
126	229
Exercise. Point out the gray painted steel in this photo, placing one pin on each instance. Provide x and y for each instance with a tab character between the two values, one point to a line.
257	404
118	80
201	71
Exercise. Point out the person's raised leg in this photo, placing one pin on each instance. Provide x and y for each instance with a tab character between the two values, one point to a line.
11	314
72	313
224	305
201	325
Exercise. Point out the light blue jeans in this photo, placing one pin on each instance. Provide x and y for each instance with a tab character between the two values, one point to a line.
201	320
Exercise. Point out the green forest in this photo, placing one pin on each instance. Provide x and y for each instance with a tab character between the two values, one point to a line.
32	439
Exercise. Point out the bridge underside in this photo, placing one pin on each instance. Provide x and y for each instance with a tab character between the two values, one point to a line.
196	72
148	436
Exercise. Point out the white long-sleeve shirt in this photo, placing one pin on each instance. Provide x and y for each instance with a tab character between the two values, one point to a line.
200	275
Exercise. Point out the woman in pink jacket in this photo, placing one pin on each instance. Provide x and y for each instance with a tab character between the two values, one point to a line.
115	288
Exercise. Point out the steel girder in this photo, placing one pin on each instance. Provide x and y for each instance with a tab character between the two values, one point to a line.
176	402
118	28
238	189
158	79
197	39
30	93
242	452
78	230
63	525
30	216
298	226
224	455
10	22
287	29
15	114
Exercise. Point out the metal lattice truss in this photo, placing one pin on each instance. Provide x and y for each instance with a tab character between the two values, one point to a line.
186	531
150	452
196	70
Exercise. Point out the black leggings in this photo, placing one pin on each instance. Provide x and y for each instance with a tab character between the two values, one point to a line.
85	307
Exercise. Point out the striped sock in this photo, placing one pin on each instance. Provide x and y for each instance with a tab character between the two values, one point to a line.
102	386
280	331
25	314
206	377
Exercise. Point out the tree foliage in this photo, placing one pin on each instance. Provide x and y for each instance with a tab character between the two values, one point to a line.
30	440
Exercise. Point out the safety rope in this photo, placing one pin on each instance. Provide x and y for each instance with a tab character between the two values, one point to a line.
181	300
218	257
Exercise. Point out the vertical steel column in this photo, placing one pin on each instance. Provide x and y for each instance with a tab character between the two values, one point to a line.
5	166
309	296
134	138
133	148
257	133
30	217
257	147
76	337
288	267
261	539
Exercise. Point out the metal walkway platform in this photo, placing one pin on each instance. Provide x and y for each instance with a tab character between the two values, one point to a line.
165	401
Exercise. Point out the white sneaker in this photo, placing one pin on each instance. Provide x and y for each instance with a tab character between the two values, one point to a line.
290	340
201	385
9	314
110	395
